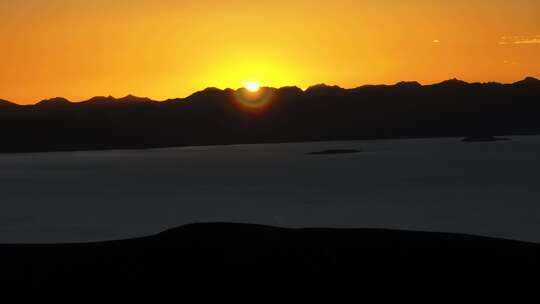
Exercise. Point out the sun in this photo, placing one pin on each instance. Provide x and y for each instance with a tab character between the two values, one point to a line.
254	98
251	86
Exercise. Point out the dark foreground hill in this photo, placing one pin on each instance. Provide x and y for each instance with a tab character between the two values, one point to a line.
238	256
213	116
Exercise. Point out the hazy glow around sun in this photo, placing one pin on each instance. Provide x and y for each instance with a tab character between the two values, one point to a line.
251	86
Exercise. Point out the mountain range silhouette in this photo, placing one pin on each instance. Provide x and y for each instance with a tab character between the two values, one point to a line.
321	112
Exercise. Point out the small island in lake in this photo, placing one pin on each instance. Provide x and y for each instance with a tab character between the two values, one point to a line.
334	151
484	139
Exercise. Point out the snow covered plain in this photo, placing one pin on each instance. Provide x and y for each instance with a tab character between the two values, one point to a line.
490	189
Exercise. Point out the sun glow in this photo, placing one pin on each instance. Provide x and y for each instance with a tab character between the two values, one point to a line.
254	98
251	86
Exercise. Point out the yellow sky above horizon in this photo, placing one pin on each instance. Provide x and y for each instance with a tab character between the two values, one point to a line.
171	48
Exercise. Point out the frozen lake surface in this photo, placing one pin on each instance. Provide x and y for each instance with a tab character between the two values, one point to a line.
490	189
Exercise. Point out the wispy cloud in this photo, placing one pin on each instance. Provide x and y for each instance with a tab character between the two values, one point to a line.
522	39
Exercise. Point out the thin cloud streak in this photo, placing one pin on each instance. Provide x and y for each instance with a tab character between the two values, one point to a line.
523	39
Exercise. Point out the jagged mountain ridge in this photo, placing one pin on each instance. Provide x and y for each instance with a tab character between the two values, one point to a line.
213	116
528	81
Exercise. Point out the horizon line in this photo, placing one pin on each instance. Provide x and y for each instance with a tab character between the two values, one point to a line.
266	87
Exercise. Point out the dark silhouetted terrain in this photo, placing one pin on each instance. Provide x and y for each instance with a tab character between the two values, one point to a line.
206	255
213	116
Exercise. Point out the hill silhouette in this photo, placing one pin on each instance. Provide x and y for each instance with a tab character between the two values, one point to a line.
234	255
529	81
57	102
5	103
322	112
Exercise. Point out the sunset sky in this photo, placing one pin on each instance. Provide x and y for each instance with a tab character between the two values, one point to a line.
170	48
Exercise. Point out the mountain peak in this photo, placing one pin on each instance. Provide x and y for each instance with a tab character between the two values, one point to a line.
451	83
133	98
54	101
101	99
211	89
454	81
206	92
528	81
408	84
291	89
322	87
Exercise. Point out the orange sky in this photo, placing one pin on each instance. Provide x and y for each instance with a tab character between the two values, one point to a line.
171	48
